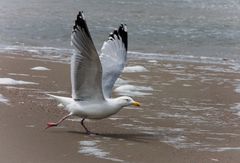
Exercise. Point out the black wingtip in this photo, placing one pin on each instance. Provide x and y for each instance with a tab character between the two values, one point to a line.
80	23
114	33
120	32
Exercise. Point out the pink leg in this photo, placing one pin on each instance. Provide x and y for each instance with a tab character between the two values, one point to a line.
54	124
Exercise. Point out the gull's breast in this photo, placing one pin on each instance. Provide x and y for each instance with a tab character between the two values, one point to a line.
93	110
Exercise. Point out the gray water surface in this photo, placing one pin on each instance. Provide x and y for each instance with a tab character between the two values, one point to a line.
180	27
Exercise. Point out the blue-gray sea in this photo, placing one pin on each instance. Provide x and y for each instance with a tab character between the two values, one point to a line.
201	28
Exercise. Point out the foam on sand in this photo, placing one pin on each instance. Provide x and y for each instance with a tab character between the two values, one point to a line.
91	148
237	89
236	109
132	90
137	68
152	61
15	74
10	81
3	99
40	68
120	81
223	149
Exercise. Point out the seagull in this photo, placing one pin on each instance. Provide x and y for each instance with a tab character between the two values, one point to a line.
93	75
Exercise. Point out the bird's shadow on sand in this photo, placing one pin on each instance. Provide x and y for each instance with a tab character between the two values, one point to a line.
136	137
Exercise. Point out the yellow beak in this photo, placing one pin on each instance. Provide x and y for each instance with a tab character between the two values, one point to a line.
135	103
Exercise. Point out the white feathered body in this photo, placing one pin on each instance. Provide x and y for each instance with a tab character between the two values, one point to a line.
89	109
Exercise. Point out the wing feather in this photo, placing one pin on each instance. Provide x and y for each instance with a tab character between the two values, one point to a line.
113	58
86	70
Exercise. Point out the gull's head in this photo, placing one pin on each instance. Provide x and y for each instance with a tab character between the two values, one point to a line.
127	101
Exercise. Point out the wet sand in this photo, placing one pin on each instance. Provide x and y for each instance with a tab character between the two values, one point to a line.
189	113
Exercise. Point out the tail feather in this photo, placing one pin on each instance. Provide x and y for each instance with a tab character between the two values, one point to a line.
63	100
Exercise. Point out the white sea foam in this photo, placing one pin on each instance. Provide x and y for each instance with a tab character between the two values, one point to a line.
10	81
127	125
88	143
223	149
187	85
214	159
114	118
152	61
136	68
237	89
175	115
39	76
60	105
236	67
236	109
175	140
21	88
54	92
120	81
15	74
218	68
132	90
40	68
91	148
30	126
3	99
185	58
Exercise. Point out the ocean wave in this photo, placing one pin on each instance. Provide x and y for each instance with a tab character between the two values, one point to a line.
63	54
183	58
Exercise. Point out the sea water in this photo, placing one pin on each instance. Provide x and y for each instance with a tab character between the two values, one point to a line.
208	28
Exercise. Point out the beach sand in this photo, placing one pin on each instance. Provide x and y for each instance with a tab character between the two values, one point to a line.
189	113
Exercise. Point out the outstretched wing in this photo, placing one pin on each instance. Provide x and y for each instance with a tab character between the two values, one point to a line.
113	58
86	70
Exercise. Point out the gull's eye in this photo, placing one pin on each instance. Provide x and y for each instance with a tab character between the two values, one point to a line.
127	100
